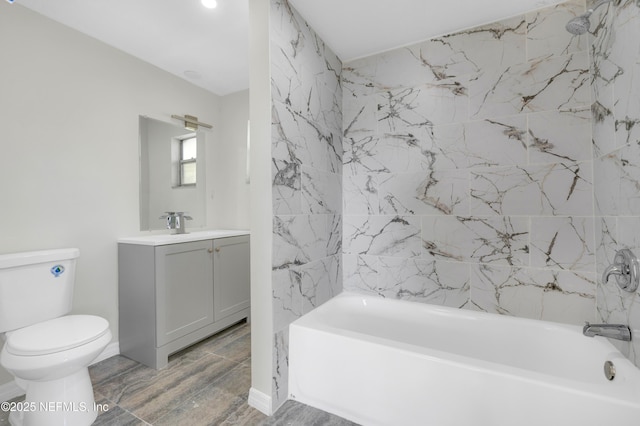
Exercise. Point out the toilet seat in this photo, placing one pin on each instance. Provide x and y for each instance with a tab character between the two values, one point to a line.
56	335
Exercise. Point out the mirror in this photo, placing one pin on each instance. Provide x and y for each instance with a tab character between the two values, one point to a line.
171	179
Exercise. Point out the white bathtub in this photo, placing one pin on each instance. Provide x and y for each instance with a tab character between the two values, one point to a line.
388	362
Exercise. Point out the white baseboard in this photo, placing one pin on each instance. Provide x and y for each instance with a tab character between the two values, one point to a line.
260	401
11	390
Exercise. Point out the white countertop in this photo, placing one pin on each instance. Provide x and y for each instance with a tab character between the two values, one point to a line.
164	239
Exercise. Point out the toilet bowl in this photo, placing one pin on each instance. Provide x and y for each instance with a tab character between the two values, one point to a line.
53	349
47	351
50	359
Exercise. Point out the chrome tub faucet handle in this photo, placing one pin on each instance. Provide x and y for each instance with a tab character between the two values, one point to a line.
626	268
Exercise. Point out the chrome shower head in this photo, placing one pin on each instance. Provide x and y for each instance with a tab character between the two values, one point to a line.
579	25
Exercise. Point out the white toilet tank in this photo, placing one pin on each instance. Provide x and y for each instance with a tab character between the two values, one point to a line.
36	286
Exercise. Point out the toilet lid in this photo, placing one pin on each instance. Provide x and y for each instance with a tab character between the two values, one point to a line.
56	335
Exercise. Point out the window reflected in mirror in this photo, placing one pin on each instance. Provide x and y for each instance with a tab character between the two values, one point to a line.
184	157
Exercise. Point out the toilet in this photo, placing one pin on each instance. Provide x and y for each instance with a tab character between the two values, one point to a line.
46	350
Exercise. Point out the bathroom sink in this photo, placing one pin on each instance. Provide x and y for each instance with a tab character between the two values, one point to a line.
164	239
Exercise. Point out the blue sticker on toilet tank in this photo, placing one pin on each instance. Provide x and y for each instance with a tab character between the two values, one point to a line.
57	270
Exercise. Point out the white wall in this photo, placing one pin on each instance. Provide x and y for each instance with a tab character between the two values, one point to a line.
228	190
260	395
69	108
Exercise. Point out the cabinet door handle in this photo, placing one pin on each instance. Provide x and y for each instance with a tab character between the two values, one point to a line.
210	251
217	249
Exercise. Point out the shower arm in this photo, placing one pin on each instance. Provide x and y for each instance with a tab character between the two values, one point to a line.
597	5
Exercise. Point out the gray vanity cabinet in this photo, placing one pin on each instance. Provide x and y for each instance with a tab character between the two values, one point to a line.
230	272
173	295
184	289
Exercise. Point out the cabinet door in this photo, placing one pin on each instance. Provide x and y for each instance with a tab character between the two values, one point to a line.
184	279
231	271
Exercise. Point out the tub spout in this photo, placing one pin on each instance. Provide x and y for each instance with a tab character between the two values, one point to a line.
612	331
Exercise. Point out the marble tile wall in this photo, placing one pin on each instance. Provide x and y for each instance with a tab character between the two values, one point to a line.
492	169
307	177
615	53
468	172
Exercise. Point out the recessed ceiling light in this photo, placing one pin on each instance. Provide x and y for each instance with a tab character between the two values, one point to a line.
209	4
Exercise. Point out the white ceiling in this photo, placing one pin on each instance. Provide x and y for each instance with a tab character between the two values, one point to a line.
358	28
175	35
209	47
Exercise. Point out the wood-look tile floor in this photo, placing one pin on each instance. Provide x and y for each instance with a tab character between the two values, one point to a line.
206	384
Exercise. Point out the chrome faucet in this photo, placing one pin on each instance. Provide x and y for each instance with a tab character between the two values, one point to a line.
176	220
626	268
612	331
